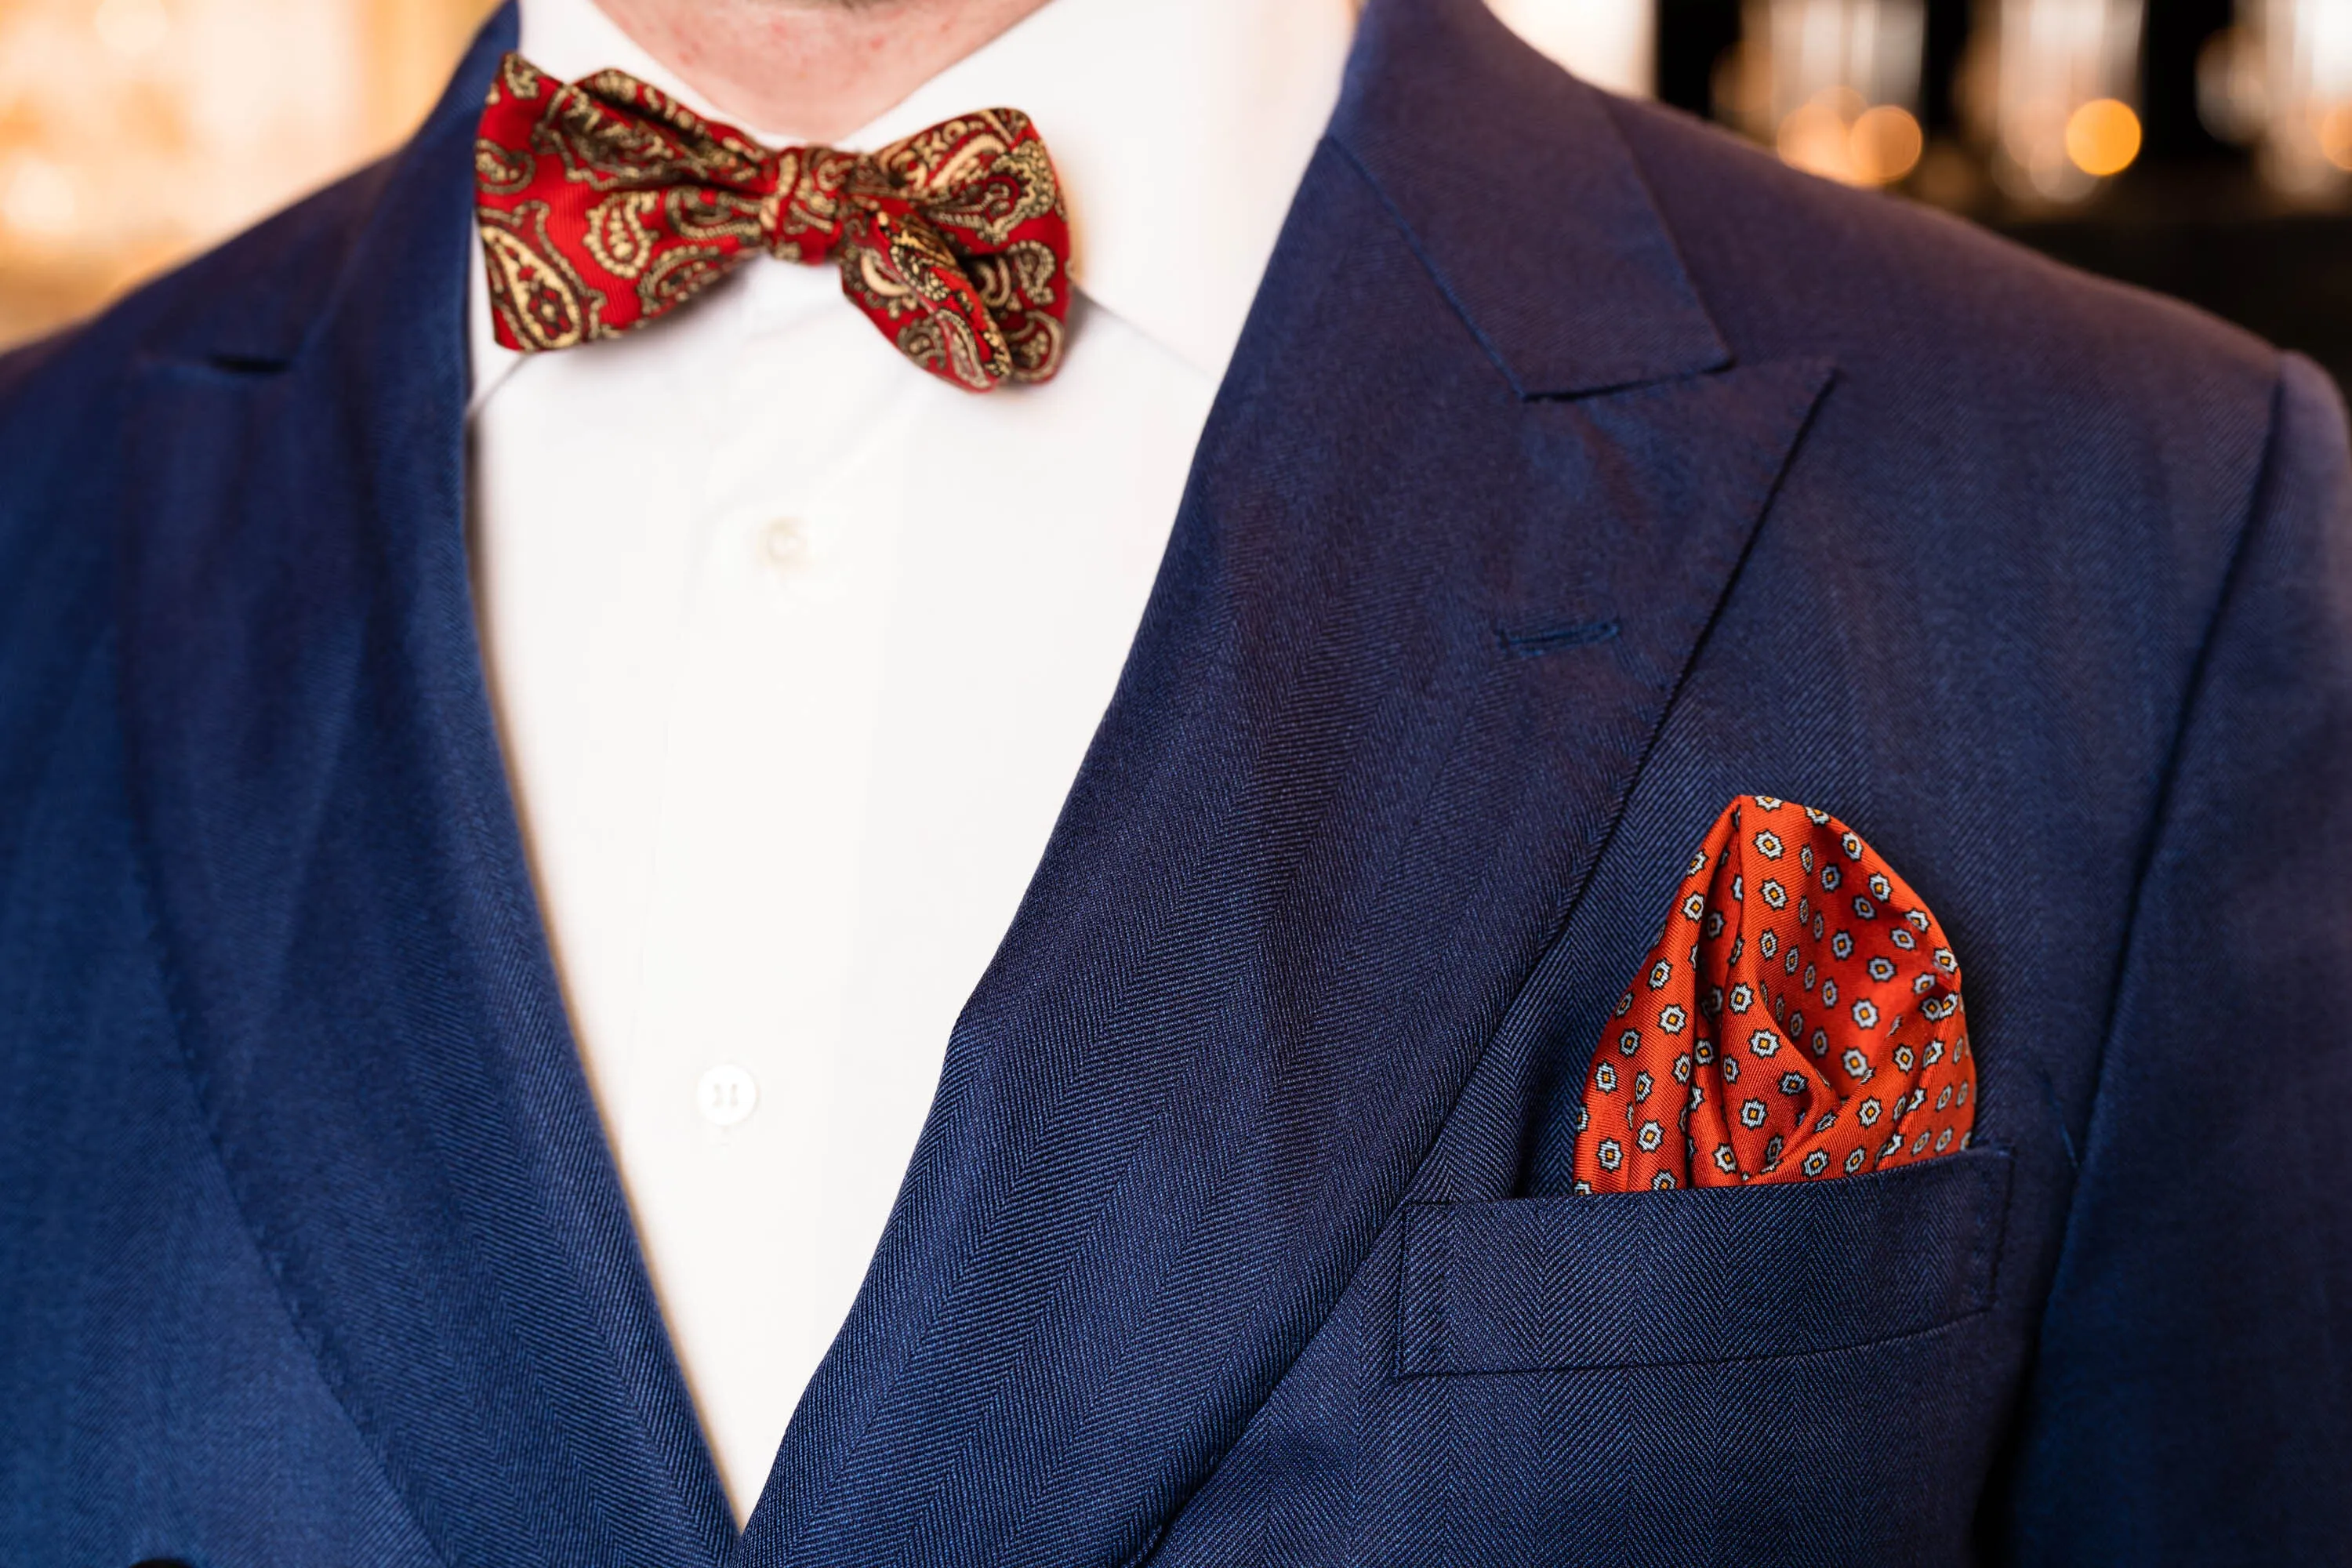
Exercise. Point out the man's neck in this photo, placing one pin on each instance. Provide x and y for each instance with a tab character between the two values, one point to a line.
814	69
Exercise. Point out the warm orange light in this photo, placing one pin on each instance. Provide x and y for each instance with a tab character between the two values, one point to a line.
1813	138
133	132
2102	137
1885	145
2336	135
1833	134
131	29
39	201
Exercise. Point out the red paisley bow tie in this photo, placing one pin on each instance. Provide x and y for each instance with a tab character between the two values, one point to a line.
1798	1018
604	204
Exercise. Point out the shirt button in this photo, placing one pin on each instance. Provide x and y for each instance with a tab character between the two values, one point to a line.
726	1095
783	545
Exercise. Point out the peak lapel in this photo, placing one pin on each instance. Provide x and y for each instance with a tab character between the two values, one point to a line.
343	904
1522	200
1414	633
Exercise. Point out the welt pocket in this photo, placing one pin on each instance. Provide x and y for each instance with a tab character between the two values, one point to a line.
1709	1274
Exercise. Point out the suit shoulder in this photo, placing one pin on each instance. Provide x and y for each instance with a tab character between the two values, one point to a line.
1789	263
252	299
257	291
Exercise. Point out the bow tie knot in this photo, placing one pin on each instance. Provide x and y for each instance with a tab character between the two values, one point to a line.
604	204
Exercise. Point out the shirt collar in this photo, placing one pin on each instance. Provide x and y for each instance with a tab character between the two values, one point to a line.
1181	129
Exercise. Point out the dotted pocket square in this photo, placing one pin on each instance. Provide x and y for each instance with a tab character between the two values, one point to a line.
1798	1019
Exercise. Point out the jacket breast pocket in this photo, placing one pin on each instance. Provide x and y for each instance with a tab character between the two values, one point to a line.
1702	1275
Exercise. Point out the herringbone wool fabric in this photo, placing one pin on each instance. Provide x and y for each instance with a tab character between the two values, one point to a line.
1578	468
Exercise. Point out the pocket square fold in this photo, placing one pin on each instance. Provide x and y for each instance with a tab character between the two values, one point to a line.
1799	1017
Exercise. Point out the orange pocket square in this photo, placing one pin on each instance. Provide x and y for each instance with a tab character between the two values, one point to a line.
1799	1017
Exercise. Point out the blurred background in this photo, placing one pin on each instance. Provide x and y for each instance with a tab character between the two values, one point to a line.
2199	147
136	133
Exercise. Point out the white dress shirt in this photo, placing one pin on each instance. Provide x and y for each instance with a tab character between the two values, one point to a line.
795	648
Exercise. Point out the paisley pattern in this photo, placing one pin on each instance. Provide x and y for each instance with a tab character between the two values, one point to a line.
605	203
1798	1018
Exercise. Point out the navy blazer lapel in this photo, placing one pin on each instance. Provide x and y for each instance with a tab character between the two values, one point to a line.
343	903
1420	618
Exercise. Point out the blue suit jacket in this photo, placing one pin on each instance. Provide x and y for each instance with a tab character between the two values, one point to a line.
1579	470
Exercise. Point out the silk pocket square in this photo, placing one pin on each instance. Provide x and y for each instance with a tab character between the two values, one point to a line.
1800	1017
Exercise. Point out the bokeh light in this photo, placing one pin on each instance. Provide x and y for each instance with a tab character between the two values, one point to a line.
1885	145
2336	135
2281	81
1833	85
2102	137
2049	87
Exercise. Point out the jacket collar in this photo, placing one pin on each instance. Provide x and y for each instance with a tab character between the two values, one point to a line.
1509	178
1429	596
